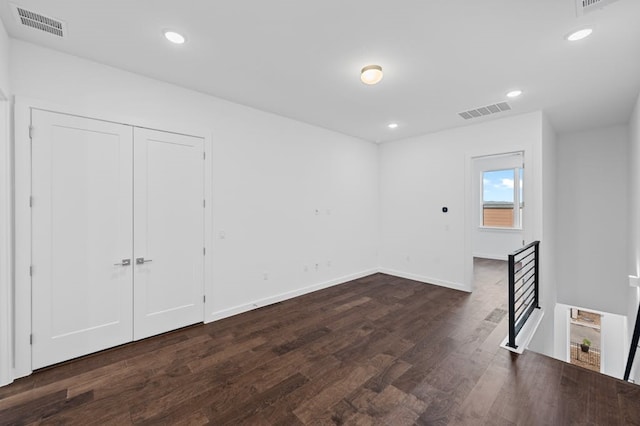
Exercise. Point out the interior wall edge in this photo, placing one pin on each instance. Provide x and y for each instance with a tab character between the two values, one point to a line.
425	279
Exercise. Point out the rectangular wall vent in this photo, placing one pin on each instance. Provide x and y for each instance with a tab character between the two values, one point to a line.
485	110
39	22
586	6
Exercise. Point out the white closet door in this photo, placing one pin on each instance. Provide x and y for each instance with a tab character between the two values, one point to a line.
82	231
168	231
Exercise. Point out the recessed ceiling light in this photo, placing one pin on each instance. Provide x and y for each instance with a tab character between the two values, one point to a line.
392	125
514	93
580	34
174	37
371	74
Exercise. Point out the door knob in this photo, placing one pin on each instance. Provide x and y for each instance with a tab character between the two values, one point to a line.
125	262
141	260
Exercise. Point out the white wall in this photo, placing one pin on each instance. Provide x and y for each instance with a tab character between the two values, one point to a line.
634	226
5	211
614	344
592	219
543	340
420	175
270	175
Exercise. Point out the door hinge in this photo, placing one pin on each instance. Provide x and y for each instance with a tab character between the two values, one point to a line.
204	299
204	155
30	271
204	203
31	132
31	339
30	200
204	251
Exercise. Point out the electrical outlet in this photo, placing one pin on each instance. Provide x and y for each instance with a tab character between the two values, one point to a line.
329	263
408	258
317	267
306	268
265	276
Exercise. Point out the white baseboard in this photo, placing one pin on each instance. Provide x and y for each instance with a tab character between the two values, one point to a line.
491	256
423	279
225	313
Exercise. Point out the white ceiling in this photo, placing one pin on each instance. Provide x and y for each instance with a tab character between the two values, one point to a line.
301	59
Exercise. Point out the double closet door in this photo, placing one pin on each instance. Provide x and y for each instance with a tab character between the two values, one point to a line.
117	234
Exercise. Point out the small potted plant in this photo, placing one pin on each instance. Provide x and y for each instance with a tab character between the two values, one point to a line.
585	345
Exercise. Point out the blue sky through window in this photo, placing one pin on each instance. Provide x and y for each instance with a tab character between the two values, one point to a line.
498	185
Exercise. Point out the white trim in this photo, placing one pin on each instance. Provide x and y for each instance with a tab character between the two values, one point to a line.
217	315
491	256
526	333
498	229
22	212
426	280
23	107
108	115
209	289
6	239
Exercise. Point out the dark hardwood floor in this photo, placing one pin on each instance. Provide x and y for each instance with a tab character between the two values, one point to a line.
379	350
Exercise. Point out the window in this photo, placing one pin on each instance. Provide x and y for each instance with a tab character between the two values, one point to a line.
502	198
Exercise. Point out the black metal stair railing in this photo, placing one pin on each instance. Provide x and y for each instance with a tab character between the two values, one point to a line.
634	347
524	270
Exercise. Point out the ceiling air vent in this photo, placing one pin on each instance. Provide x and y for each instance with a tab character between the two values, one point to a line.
39	22
485	110
586	6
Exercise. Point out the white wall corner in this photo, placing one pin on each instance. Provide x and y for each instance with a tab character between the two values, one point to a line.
225	313
426	280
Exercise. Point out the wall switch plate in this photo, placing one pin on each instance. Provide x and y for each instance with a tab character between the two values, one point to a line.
634	281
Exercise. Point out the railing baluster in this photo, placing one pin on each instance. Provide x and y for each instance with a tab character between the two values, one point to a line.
512	296
529	297
537	274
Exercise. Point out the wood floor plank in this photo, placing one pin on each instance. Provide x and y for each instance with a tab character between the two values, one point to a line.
378	350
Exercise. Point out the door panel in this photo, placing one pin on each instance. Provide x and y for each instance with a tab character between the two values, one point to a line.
168	231
81	227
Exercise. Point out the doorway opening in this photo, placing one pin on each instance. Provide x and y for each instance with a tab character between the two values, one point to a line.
497	205
585	341
496	209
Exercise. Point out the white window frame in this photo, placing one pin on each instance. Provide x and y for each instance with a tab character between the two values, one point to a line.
517	217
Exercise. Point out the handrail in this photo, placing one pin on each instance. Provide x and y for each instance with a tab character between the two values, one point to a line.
634	346
528	246
524	299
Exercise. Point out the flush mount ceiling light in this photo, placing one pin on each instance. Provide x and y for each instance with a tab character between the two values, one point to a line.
174	37
579	34
392	125
514	93
371	74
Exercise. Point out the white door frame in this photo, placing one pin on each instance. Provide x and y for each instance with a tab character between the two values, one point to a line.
23	107
470	208
6	243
